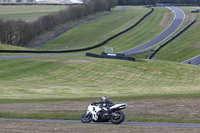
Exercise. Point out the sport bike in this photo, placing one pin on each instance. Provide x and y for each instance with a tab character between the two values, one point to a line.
97	113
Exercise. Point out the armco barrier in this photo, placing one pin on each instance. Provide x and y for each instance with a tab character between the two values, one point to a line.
110	57
172	38
81	49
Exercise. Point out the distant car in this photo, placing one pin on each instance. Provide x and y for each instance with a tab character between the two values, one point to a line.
195	11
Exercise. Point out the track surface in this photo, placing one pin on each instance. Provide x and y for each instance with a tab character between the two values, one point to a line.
124	123
194	61
179	17
76	25
31	56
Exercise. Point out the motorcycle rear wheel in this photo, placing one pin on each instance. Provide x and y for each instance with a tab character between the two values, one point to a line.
86	118
119	119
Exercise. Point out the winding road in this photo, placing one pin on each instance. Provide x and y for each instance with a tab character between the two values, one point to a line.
124	123
179	17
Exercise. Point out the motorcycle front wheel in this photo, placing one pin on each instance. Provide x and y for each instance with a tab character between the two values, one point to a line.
86	118
118	118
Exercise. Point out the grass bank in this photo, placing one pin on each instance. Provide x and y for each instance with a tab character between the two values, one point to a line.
98	30
69	77
147	30
62	88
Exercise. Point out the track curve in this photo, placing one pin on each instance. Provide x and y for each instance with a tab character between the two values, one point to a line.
179	17
124	123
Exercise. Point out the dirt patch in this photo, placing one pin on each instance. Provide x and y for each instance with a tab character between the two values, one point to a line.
50	60
197	45
189	16
38	127
166	18
78	61
183	109
46	60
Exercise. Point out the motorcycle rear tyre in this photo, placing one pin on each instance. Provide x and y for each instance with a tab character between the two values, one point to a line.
120	120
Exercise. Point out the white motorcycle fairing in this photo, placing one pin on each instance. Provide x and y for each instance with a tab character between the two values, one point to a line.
120	106
93	109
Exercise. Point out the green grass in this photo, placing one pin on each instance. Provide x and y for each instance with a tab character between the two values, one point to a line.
82	77
28	13
66	115
98	30
10	47
186	46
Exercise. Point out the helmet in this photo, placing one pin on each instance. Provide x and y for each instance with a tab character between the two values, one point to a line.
103	98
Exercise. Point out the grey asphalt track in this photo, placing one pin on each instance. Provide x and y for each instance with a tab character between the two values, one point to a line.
179	17
194	61
32	56
76	25
124	123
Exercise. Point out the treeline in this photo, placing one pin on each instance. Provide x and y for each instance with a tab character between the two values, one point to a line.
20	33
154	2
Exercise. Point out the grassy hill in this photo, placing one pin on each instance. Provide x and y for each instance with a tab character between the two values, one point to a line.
82	77
94	32
98	30
186	45
62	88
28	13
148	29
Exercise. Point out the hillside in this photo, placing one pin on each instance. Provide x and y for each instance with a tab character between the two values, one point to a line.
98	30
148	29
68	77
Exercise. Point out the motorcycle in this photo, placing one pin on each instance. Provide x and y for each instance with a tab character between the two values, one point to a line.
97	113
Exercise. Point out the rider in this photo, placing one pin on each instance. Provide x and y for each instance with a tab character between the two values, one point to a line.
106	103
